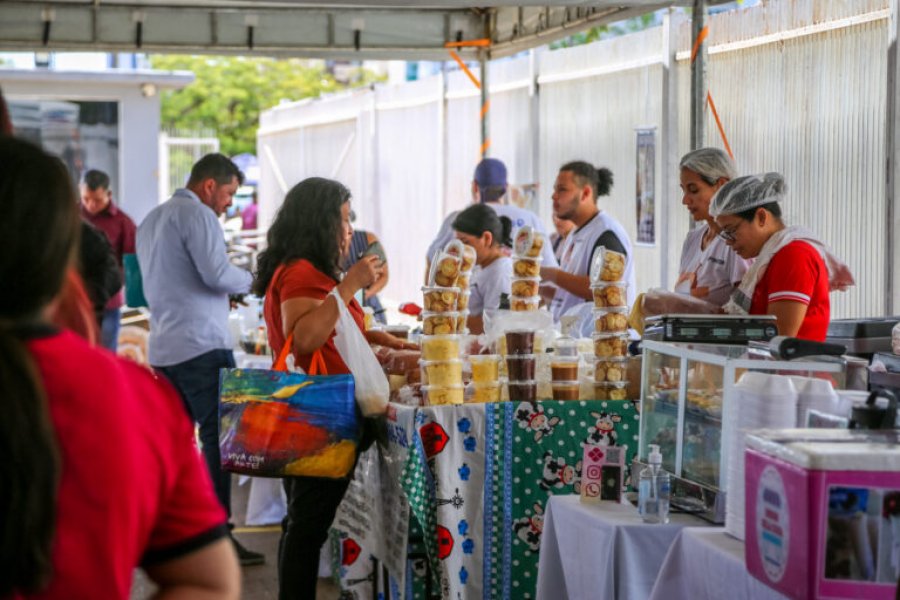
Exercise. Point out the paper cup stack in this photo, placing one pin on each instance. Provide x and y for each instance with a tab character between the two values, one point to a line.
816	394
526	278
610	325
762	401
442	322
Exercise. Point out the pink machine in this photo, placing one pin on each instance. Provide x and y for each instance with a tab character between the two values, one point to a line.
823	512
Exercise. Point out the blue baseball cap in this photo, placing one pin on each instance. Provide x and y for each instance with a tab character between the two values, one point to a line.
490	172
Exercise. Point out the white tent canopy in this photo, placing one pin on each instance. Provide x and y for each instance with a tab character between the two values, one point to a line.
359	30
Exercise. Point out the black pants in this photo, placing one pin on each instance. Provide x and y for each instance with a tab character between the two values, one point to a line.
197	380
311	505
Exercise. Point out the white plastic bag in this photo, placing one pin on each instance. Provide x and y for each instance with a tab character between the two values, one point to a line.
372	388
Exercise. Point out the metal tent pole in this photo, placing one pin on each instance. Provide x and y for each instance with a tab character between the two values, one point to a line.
698	75
892	164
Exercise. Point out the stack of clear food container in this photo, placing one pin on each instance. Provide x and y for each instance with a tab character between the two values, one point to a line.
467	263
526	277
521	365
564	363
610	325
486	384
441	366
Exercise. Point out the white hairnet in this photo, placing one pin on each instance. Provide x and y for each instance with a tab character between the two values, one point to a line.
711	164
744	193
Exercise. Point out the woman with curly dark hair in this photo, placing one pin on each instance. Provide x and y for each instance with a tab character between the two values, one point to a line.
297	272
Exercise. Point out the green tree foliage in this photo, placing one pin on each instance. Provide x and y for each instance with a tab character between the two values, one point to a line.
229	93
607	31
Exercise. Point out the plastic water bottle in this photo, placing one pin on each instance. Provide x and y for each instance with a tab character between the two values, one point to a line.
653	490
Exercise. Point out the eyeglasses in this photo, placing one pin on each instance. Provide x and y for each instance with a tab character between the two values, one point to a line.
727	233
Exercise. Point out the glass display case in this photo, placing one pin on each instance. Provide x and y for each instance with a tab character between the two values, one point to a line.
686	394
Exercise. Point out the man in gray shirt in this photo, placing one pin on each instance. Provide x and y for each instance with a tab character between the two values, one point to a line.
187	279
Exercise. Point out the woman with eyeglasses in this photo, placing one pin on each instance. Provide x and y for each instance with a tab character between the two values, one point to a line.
710	270
793	272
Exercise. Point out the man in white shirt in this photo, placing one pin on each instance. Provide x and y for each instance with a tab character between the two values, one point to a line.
489	187
575	193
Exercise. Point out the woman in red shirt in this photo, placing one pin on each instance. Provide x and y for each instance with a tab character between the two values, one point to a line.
100	473
793	271
296	273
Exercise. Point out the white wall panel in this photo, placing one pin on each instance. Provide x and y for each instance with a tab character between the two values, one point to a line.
799	84
812	107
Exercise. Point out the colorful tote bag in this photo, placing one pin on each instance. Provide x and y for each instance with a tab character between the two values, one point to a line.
276	423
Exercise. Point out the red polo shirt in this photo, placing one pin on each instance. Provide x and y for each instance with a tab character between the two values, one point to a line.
797	273
120	231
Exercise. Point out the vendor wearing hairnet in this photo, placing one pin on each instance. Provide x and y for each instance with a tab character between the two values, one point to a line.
793	272
710	270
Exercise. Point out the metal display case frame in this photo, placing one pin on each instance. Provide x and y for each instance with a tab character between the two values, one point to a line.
707	501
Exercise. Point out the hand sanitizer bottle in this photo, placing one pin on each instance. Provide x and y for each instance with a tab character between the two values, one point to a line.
653	490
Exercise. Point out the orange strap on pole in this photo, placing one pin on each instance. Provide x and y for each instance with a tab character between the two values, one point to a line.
715	113
485	108
703	33
482	43
465	69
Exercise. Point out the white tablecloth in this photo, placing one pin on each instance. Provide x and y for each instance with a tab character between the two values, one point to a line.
601	551
707	563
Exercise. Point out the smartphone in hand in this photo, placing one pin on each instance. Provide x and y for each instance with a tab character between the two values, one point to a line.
375	249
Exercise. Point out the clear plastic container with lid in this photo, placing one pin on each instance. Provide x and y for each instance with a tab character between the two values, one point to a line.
468	259
439	323
520	367
525	287
611	344
567	344
524	303
564	368
611	391
441	372
528	242
610	320
463	301
438	395
519	341
480	393
610	369
526	267
485	368
522	391
440	347
609	294
607	265
565	390
439	299
444	270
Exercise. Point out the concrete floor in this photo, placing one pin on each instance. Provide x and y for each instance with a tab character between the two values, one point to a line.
261	582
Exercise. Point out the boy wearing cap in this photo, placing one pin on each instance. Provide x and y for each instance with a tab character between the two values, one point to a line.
489	187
